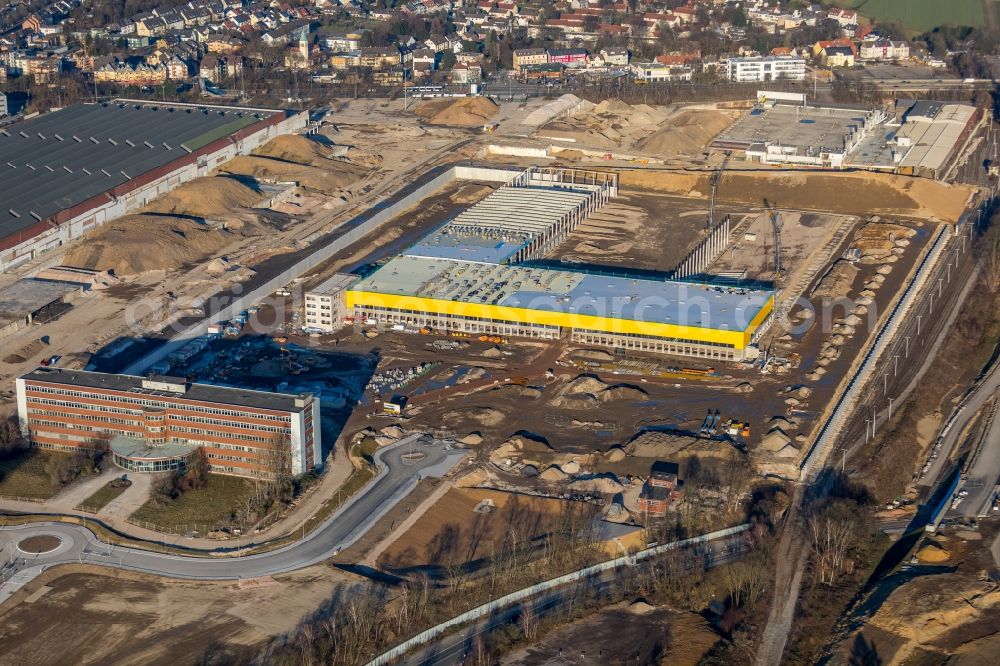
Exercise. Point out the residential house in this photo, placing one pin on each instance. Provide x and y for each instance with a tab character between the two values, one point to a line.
380	57
462	73
615	56
662	488
837	56
885	49
650	72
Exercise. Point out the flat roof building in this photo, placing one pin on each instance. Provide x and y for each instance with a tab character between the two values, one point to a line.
324	304
761	69
88	163
154	424
469	276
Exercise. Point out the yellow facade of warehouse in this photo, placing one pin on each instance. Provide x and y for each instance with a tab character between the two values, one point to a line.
735	339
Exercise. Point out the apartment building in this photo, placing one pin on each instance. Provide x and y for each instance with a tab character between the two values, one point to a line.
884	49
155	424
526	57
649	72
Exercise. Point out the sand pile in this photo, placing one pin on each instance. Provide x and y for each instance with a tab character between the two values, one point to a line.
464	112
669	445
300	159
606	484
933	553
591	384
487	416
294	148
878	240
838	281
775	440
471	194
615	454
870	193
521	448
328	178
588	391
553	474
138	243
530	392
472	439
611	124
216	197
640	608
686	133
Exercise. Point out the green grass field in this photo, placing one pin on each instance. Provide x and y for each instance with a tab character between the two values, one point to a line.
209	507
25	475
924	15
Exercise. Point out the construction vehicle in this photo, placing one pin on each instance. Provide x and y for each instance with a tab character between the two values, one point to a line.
492	338
426	330
706	423
746	430
715	422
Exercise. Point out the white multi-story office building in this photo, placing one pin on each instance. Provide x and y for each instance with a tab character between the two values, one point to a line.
324	303
766	68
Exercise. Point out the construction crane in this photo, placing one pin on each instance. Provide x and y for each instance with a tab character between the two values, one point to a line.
776	225
716	177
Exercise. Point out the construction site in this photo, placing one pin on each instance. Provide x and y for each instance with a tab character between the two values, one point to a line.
570	293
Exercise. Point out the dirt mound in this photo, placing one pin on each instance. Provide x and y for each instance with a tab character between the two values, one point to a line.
933	553
294	148
621	392
838	281
472	439
870	193
686	133
487	416
333	175
138	243
212	197
587	391
591	384
553	474
471	194
775	440
530	392
669	445
615	454
877	240
606	484
521	448
464	112
640	608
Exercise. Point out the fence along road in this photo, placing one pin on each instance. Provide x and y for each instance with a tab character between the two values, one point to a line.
514	597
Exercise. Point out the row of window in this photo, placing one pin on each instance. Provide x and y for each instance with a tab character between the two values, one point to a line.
183	418
155	403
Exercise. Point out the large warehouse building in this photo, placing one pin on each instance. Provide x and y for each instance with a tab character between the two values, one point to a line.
155	424
470	275
79	167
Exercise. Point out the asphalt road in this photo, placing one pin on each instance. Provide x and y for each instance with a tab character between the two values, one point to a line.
452	649
403	463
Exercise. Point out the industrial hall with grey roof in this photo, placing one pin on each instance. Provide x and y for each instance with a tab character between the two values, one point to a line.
70	170
61	159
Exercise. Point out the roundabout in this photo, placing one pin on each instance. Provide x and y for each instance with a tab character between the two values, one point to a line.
39	544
